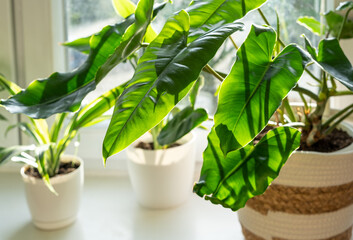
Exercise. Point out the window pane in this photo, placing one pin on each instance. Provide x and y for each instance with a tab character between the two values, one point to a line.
85	17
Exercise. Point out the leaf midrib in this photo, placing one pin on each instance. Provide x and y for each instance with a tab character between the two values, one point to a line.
239	165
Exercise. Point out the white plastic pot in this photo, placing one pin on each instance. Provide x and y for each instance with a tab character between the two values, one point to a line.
312	171
50	211
162	178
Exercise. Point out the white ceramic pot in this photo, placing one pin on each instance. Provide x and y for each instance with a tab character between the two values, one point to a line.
311	199
50	211
162	178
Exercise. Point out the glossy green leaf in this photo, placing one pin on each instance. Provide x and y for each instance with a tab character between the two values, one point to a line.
81	44
332	59
344	5
164	75
208	14
124	7
7	153
181	124
311	24
195	90
10	87
64	91
334	22
256	85
246	172
97	108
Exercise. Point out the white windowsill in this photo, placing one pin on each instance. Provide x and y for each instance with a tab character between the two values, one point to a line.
109	210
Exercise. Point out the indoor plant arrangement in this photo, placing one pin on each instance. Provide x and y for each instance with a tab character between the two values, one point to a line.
54	181
234	170
165	73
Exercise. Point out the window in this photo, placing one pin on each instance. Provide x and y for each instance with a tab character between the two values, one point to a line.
33	29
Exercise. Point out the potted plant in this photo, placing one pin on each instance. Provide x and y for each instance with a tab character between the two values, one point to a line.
312	197
54	181
161	164
166	71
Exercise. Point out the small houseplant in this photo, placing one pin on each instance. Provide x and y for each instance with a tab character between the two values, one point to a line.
54	181
161	164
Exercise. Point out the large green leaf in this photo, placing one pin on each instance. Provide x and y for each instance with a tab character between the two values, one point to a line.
332	59
256	85
246	172
181	124
124	7
97	107
208	14
82	44
334	21
64	91
310	23
164	75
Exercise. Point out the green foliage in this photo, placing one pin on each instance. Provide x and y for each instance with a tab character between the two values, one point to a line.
234	170
164	75
208	14
181	124
244	173
311	23
246	109
50	144
65	91
331	59
334	21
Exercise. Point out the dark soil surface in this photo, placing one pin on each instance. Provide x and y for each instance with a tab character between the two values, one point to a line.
149	146
64	168
336	140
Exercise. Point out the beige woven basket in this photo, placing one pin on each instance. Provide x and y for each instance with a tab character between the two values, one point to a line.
312	199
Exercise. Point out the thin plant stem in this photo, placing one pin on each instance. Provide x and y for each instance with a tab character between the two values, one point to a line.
333	126
344	22
312	75
341	93
331	119
233	42
214	73
306	92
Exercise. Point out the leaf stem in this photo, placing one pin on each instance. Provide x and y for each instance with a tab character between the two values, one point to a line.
344	22
341	93
210	70
331	119
233	42
312	75
306	92
333	126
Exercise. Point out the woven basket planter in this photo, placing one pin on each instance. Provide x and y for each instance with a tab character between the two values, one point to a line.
312	199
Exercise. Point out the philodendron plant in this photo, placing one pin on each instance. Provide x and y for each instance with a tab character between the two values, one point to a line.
50	143
234	169
334	66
